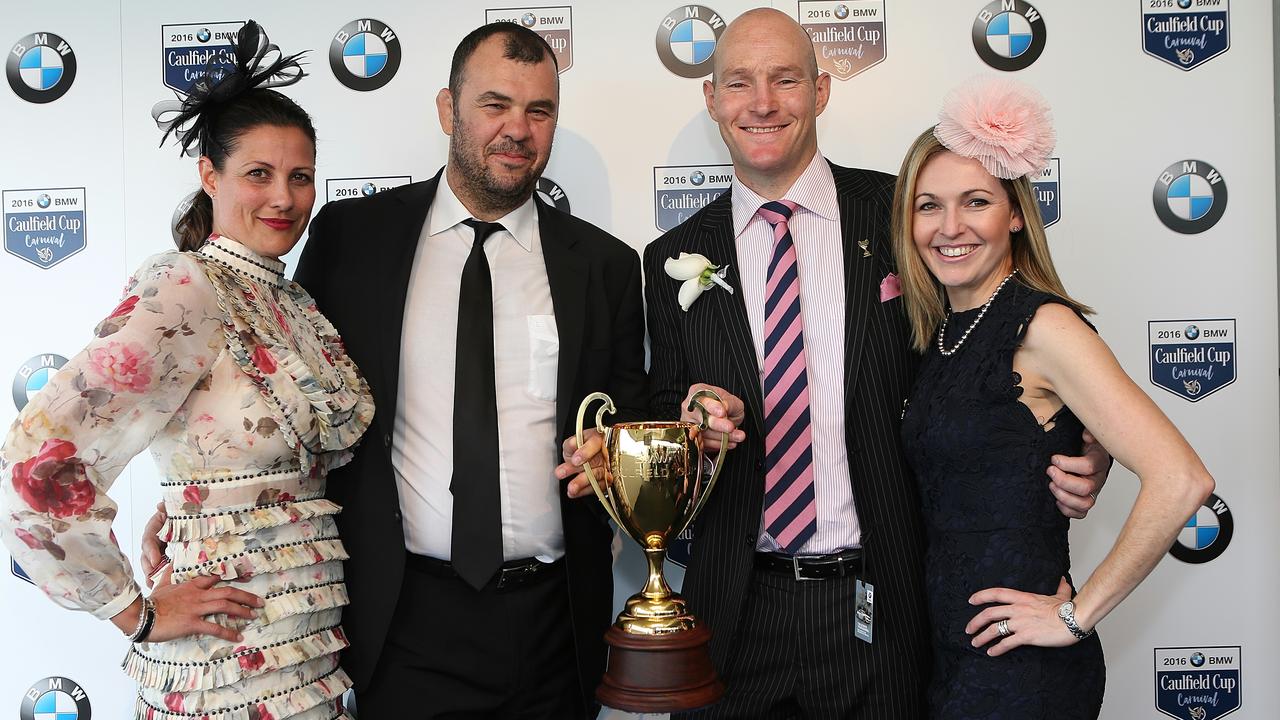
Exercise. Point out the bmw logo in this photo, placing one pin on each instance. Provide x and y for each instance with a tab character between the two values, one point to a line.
183	206
368	189
40	67
551	193
687	38
842	11
18	572
33	375
55	698
1197	659
364	54
528	20
1009	34
1192	332
697	177
1184	4
1190	196
1206	535
43	200
203	35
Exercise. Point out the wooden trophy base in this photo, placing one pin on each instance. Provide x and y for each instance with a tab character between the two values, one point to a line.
659	673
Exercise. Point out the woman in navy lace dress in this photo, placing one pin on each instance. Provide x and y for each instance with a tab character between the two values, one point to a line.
1011	374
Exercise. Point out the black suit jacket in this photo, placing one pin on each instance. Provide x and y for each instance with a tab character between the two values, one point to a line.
356	265
712	343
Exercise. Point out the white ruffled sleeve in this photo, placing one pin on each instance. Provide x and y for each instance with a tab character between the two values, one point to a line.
100	410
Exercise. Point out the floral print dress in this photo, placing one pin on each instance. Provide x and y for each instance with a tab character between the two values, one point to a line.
246	398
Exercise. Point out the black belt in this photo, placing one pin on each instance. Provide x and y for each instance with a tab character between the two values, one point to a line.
846	563
512	574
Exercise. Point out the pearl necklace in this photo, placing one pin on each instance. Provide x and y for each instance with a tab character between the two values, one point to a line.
942	330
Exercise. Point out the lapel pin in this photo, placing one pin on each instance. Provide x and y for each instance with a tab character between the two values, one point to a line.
863	244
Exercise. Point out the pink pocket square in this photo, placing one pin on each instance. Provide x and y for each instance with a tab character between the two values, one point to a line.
890	288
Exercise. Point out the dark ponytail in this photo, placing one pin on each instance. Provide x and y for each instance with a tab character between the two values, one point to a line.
196	223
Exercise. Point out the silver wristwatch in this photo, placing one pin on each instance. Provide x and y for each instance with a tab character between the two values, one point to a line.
1067	611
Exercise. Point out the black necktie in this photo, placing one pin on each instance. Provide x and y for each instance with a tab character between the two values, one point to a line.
477	508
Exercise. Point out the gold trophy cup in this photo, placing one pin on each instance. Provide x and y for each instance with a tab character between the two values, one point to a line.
653	488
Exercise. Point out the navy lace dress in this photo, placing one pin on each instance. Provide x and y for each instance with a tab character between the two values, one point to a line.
980	457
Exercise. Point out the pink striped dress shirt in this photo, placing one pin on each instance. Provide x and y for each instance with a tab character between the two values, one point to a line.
815	230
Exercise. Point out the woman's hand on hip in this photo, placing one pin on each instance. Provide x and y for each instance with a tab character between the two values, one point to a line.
1029	619
182	609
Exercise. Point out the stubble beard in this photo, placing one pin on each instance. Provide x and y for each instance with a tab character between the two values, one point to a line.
489	193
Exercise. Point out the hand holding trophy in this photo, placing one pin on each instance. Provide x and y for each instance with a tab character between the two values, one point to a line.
653	487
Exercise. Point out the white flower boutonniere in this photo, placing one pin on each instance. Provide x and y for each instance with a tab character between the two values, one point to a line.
698	275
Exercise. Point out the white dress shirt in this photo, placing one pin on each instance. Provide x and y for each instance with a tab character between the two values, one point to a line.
815	232
526	349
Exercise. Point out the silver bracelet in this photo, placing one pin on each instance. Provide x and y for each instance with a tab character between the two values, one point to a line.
146	621
1067	613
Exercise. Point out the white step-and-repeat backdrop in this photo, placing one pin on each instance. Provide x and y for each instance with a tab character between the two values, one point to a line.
1161	106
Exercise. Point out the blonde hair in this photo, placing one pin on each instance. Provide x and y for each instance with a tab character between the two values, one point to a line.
925	297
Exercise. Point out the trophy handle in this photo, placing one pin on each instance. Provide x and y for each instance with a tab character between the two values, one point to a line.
724	445
591	476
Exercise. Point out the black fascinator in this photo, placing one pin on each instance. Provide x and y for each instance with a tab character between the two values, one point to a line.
259	64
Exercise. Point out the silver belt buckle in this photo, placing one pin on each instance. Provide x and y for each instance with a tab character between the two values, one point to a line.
795	567
516	575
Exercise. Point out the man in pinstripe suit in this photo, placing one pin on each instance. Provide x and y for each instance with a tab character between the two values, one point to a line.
818	488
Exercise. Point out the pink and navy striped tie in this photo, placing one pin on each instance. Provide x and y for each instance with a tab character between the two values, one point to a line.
790	506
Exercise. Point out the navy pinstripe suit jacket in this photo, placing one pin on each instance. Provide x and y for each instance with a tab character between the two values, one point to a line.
712	343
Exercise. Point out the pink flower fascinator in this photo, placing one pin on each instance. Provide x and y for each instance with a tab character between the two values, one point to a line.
999	122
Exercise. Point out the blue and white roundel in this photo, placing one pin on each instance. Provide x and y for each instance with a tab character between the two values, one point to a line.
1201	530
33	375
41	68
693	41
1009	35
364	55
687	39
56	705
43	200
1206	535
1190	197
203	35
38	379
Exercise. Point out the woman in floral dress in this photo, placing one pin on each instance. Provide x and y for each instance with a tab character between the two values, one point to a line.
246	399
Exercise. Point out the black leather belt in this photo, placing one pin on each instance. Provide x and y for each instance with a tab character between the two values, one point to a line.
846	563
512	574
